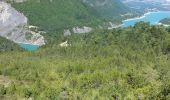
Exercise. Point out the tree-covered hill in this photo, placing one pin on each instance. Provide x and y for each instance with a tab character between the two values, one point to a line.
56	15
107	9
120	64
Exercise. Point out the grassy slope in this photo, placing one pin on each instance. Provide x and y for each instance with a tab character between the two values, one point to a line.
120	64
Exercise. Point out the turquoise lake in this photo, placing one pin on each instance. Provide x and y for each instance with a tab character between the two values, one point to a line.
152	17
29	47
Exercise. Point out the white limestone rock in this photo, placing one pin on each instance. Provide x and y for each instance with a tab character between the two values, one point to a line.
67	33
82	30
13	26
64	44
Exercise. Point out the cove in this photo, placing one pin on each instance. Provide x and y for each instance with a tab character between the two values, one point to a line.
29	47
152	17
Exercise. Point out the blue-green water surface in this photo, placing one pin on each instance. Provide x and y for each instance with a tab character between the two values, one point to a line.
152	17
29	47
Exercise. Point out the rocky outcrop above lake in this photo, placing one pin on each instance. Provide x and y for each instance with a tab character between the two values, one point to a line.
13	26
78	30
82	30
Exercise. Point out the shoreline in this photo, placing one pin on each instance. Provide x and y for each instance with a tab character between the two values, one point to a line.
143	16
140	17
29	43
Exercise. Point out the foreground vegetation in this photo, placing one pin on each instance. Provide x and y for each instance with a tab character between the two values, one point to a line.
121	64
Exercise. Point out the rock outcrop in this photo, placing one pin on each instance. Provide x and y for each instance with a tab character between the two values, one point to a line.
64	44
78	30
67	33
82	30
13	26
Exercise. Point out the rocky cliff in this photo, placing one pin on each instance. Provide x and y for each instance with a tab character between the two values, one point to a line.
13	26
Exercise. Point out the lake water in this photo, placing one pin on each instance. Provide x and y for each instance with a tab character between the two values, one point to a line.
152	17
29	47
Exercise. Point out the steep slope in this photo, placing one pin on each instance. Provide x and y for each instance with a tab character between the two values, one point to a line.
6	45
13	26
57	15
107	8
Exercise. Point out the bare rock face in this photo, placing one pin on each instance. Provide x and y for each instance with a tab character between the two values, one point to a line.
13	26
10	18
67	33
78	30
82	30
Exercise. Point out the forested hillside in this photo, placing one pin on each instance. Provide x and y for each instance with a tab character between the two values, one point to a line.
57	15
120	64
7	45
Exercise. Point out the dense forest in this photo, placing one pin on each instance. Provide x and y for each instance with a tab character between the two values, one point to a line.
120	64
56	15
